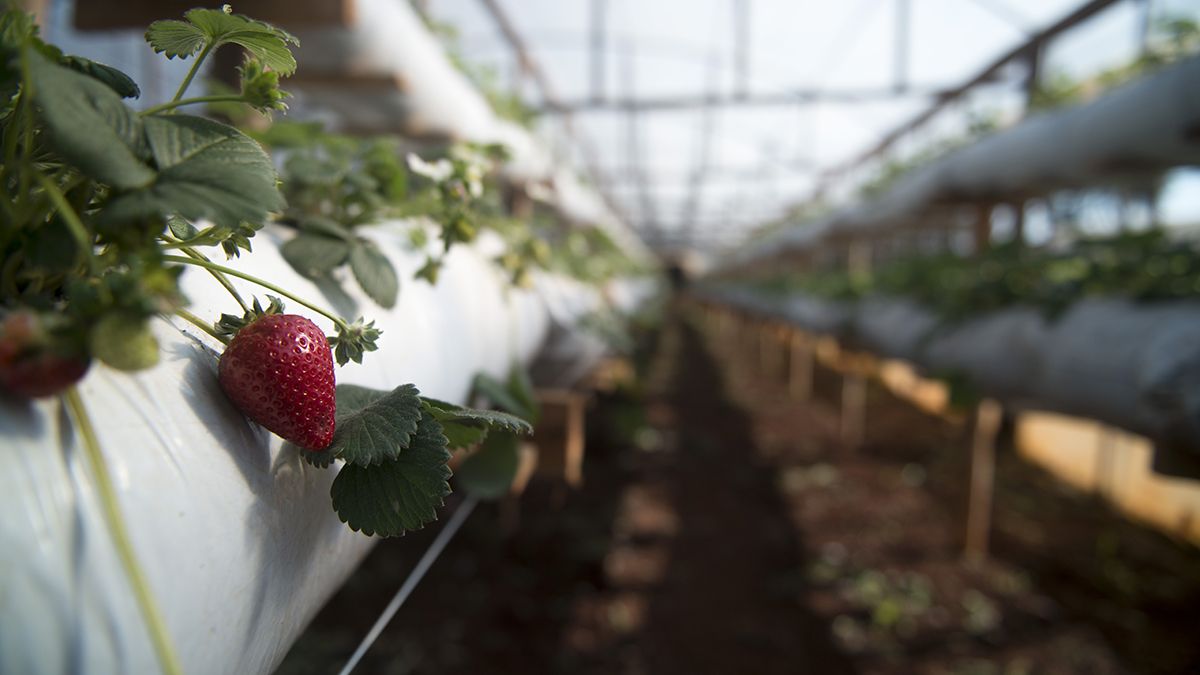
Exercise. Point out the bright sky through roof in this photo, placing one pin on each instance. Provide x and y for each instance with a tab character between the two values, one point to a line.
760	158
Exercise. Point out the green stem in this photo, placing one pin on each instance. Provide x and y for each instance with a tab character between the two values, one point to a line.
199	323
214	98
337	320
219	276
187	81
27	122
112	515
78	230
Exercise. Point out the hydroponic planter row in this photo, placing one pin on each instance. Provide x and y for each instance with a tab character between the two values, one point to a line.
1137	130
1131	365
236	535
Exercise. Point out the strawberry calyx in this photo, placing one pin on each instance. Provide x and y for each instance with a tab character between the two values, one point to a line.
230	325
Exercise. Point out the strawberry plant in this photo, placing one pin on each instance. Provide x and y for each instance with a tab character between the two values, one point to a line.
1145	266
104	208
336	184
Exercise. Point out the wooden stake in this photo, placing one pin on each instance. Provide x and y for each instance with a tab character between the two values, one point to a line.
983	483
800	368
560	435
854	409
766	349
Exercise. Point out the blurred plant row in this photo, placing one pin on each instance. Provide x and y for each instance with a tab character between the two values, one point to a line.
1144	266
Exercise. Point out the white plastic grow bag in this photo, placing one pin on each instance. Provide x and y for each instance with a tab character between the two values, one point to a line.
237	537
1132	365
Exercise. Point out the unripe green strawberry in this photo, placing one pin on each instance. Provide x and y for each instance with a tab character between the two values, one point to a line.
278	370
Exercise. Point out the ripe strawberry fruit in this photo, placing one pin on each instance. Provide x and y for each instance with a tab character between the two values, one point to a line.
33	363
278	370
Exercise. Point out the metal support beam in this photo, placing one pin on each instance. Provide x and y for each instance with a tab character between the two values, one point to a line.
549	97
521	51
700	174
792	97
1020	52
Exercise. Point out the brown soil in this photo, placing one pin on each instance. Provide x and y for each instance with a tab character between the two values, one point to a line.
723	528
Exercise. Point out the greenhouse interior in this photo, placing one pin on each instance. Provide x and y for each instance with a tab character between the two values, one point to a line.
600	336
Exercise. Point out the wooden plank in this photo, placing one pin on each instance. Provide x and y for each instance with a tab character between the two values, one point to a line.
982	484
96	15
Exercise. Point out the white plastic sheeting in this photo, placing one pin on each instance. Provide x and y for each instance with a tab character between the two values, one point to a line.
1132	365
236	535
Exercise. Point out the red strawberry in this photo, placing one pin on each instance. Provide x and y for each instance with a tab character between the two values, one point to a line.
34	364
278	370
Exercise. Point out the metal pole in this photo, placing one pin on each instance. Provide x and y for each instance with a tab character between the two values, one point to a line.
741	46
903	22
599	56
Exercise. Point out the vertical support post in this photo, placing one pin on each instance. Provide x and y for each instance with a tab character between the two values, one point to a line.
901	43
1106	463
983	481
1033	76
1019	223
854	409
741	47
764	348
800	368
1145	12
598	54
983	227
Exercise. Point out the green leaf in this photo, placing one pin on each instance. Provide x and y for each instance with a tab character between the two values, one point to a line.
448	413
351	398
314	255
52	248
462	434
377	428
326	226
89	125
521	388
396	495
114	79
491	418
174	38
181	228
489	473
206	170
374	273
124	342
501	395
214	27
